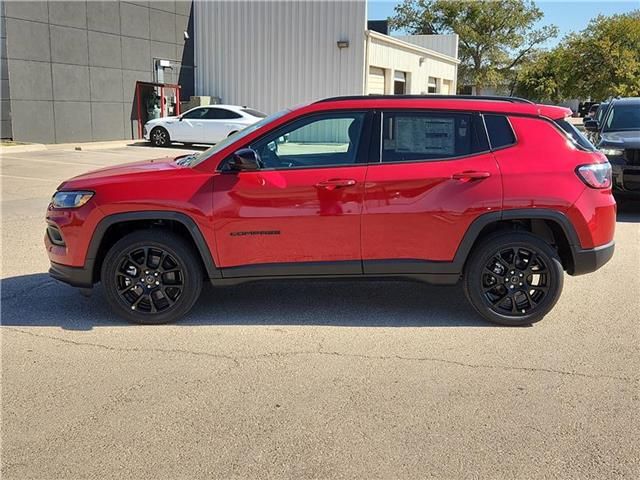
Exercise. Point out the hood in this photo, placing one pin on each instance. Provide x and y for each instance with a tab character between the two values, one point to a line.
153	121
622	139
121	173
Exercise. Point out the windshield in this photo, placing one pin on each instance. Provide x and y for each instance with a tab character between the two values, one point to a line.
623	117
576	137
197	158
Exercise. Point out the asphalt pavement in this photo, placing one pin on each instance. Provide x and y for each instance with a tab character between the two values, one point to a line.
320	379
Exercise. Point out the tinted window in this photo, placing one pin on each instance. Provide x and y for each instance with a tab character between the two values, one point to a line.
221	114
623	117
419	136
254	113
198	113
574	135
317	141
499	130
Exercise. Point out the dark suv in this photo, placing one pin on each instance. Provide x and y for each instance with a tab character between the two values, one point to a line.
617	135
499	193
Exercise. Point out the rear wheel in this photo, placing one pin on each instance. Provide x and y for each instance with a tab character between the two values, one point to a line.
151	277
513	278
160	137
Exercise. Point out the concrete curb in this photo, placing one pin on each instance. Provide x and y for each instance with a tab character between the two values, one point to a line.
30	147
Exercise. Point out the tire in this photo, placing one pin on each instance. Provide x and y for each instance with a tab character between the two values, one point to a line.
160	137
506	302
151	277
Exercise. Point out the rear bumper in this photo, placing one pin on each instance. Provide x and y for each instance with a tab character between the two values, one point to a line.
591	259
75	276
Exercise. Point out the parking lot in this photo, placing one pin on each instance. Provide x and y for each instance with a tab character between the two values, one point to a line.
319	379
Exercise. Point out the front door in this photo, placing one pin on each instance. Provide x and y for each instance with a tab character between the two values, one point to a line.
190	127
435	176
300	213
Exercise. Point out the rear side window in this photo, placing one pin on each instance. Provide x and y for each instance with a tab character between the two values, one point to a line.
254	113
424	136
574	135
499	130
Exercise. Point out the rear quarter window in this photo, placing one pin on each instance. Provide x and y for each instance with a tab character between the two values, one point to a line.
576	137
499	130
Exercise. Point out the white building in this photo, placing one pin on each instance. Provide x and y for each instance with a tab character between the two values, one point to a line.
275	54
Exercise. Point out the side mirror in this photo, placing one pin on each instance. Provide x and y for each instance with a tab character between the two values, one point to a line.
591	125
245	159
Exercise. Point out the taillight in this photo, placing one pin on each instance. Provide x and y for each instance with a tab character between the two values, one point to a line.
595	175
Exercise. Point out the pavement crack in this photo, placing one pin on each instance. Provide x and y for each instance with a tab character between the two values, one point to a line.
319	351
128	349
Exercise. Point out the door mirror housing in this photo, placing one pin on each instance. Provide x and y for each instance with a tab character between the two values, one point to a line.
245	160
591	125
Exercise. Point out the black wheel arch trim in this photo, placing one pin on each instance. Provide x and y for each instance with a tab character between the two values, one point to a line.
185	220
414	266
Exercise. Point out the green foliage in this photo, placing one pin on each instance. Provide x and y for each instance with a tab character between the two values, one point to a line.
601	61
494	36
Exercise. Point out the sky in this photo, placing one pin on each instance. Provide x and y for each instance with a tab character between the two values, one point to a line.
568	16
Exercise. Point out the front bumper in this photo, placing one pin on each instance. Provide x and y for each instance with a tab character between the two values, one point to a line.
75	276
626	179
591	259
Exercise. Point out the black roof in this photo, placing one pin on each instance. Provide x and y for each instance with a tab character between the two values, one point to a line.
428	97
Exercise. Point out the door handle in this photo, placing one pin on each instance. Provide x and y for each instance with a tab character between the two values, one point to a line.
336	183
470	175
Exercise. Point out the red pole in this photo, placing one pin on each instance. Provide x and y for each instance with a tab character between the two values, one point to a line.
178	100
139	110
162	101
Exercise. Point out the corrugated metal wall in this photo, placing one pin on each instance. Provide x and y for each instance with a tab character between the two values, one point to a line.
275	54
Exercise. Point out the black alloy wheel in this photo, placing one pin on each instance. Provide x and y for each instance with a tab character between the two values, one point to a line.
151	277
514	278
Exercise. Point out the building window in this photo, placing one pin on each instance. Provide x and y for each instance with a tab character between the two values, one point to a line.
400	83
432	85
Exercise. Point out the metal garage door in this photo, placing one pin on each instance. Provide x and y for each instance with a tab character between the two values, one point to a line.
376	80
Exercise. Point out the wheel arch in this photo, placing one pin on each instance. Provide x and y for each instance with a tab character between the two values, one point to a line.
113	227
553	226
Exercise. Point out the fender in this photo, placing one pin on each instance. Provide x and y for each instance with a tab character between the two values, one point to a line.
188	222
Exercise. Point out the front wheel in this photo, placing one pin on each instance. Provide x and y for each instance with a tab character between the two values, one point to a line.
151	277
513	278
160	137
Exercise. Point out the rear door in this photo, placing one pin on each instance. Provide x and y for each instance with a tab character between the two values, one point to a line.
300	213
434	176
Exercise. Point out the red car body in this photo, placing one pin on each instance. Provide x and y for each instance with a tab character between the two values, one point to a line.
369	218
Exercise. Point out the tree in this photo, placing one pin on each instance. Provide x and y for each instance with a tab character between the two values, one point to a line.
494	36
544	76
600	62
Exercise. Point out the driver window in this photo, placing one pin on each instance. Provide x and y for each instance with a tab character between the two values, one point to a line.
318	141
198	113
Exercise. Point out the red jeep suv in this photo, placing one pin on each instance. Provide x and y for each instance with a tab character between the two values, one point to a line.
499	193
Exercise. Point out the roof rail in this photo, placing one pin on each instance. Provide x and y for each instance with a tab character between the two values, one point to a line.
428	97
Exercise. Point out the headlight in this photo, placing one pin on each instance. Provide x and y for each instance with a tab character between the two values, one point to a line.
70	199
612	152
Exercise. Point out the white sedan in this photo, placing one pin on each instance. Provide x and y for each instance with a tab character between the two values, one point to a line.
206	124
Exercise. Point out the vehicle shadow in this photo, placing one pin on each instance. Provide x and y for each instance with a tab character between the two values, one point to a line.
37	300
176	146
629	211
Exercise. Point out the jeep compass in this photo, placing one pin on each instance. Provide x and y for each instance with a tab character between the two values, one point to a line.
498	193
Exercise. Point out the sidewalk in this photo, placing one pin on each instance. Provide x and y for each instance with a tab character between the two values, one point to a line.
35	147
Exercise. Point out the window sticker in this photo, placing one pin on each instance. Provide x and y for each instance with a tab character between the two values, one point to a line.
425	135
